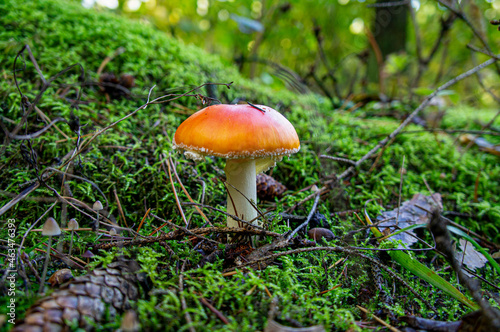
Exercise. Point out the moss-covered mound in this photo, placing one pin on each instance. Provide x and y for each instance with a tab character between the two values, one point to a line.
126	163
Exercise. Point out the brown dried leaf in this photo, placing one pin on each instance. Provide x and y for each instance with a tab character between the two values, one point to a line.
472	258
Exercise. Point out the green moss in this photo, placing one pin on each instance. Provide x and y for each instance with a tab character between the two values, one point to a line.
128	159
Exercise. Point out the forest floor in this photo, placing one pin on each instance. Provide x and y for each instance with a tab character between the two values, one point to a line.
112	149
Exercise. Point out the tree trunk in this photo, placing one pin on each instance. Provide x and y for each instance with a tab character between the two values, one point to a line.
389	32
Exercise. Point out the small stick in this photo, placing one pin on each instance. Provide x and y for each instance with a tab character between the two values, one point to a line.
47	119
187	194
326	291
309	217
379	156
142	221
343	160
120	207
390	327
268	292
185	230
181	211
193	232
229	274
213	309
260	109
157	229
72	138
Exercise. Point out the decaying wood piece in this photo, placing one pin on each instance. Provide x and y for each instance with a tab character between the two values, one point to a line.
102	292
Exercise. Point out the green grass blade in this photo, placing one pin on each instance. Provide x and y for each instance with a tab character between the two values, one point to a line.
423	272
409	228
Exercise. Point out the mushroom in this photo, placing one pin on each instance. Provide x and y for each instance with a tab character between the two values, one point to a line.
251	137
112	233
72	226
50	229
88	254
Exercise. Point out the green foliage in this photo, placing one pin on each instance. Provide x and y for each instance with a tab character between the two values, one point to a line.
288	38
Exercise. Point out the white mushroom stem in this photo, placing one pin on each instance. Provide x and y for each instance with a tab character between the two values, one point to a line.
241	174
71	243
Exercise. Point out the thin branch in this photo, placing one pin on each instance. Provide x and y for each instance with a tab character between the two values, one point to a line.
343	160
464	18
319	40
179	207
408	120
187	193
33	135
305	223
183	229
448	131
175	235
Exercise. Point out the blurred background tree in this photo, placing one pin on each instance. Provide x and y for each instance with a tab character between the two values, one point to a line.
363	50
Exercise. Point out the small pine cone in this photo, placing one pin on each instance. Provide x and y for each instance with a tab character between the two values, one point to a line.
127	80
91	296
268	188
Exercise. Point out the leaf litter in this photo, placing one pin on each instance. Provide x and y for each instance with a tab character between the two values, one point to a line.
414	212
410	213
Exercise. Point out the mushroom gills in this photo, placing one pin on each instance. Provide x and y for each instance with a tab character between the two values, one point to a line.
263	164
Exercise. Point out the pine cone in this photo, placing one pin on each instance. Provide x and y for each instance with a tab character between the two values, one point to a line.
101	291
268	188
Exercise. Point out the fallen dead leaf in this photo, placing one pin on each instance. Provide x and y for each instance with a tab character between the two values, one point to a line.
472	258
481	143
409	214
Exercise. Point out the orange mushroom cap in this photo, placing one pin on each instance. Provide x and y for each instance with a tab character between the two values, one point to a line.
237	131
